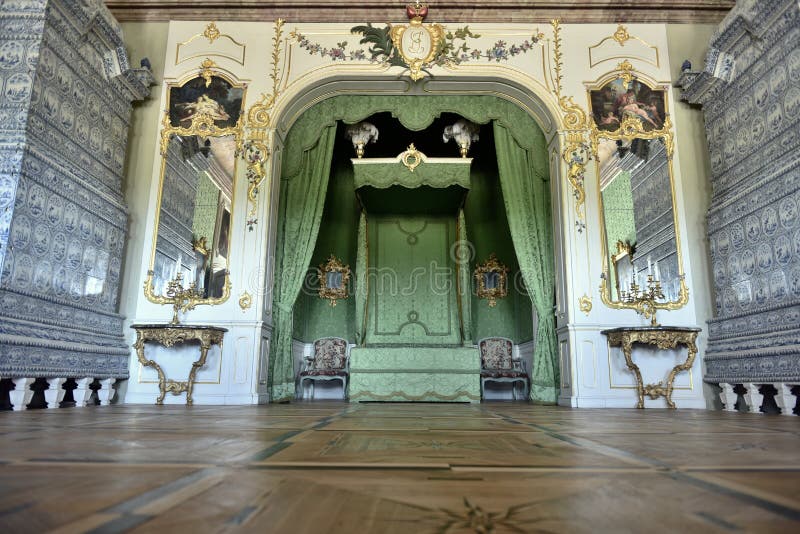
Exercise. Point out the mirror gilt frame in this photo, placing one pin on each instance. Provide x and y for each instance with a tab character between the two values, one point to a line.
500	291
624	251
202	124
631	128
333	265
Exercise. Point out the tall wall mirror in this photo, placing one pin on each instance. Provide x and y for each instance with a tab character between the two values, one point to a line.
200	141
632	144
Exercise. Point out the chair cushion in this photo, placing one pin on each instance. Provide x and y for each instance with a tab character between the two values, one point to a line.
324	372
496	353
503	373
330	353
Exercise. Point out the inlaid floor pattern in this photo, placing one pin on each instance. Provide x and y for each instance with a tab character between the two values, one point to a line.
397	468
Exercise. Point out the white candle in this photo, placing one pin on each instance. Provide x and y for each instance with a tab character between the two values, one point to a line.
658	273
649	266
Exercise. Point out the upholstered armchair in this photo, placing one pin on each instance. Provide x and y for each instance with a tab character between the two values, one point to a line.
330	361
498	364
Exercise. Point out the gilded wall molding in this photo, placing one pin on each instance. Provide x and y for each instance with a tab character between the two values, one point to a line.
245	301
258	127
575	150
585	304
219	44
626	47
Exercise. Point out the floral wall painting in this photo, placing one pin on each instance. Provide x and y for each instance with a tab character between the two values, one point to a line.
619	99
219	99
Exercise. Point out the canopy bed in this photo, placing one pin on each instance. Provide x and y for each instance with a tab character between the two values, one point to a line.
413	228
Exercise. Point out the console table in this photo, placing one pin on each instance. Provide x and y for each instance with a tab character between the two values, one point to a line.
663	337
168	335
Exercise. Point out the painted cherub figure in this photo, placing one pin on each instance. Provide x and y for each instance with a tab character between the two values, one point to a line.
610	121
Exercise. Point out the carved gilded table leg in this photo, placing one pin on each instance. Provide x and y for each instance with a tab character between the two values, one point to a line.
685	366
627	350
162	380
205	345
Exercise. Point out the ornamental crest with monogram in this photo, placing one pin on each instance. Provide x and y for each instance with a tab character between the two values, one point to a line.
418	44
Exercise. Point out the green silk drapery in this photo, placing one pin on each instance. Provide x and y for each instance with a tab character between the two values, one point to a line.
361	279
462	253
414	112
302	203
526	194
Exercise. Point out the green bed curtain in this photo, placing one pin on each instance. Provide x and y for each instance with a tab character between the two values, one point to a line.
462	256
361	280
302	203
526	194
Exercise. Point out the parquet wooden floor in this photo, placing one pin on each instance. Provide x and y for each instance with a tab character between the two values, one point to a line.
397	468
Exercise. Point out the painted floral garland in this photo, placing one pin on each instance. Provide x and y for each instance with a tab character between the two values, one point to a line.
455	49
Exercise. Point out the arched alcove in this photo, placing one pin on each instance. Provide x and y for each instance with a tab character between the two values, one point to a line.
306	113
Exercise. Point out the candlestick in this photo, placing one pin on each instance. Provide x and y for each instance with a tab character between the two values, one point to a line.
183	298
644	295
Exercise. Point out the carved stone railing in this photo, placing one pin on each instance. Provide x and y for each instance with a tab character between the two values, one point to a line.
85	391
785	397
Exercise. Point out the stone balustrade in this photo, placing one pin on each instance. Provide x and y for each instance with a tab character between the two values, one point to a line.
785	397
20	393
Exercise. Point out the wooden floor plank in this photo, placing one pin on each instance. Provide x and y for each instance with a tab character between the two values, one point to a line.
337	467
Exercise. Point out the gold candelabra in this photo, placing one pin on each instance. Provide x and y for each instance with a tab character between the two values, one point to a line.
644	299
183	299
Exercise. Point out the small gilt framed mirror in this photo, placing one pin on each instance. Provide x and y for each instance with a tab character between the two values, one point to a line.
334	280
622	265
632	143
491	278
201	136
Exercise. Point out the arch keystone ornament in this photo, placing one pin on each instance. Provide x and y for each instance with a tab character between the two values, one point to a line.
418	44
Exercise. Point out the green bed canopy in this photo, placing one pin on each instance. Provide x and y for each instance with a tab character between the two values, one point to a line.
522	165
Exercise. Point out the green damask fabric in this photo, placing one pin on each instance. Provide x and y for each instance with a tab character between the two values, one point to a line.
444	374
314	317
302	204
462	252
619	216
412	297
384	175
361	287
488	232
526	192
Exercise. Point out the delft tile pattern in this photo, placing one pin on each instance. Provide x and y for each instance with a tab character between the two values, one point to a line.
655	223
752	111
21	25
59	282
176	217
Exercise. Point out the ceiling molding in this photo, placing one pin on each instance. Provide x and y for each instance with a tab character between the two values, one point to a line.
463	11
